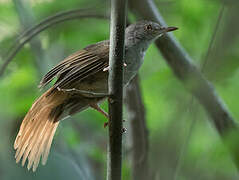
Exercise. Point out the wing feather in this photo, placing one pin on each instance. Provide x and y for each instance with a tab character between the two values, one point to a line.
78	66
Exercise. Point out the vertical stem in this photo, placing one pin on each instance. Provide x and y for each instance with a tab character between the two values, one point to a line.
139	132
116	57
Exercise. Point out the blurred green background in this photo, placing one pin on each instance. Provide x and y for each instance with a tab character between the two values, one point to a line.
183	144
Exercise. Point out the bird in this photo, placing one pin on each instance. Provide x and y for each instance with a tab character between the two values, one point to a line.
81	82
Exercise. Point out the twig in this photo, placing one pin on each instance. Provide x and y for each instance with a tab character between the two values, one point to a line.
222	51
116	56
48	22
209	50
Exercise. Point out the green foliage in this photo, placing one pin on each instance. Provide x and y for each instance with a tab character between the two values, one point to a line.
169	112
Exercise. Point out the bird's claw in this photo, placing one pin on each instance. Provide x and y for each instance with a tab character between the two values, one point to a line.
106	124
123	129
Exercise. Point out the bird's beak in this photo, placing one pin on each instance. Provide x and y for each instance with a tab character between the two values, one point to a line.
168	29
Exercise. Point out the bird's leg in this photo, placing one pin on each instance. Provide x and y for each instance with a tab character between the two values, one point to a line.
97	108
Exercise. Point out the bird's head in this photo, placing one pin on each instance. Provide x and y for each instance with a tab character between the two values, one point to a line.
146	31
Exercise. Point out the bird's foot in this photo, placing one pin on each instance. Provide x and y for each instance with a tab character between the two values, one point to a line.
123	129
97	108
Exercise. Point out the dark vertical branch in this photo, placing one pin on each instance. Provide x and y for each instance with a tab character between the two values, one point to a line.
116	57
139	132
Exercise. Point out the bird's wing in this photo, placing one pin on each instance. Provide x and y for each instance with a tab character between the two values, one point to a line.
80	65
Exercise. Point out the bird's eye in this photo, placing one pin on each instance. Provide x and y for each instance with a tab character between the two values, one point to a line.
148	27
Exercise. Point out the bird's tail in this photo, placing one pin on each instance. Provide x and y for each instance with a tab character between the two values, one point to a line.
35	136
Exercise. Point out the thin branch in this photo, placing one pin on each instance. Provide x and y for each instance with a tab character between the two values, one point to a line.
26	19
224	51
53	18
191	77
183	150
48	22
192	107
209	50
116	57
139	132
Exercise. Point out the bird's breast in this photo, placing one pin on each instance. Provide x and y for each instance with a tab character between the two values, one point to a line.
133	59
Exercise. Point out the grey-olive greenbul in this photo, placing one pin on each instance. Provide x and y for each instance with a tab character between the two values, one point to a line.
82	82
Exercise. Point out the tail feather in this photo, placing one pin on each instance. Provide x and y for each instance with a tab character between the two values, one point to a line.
48	144
39	151
36	147
37	130
32	128
24	143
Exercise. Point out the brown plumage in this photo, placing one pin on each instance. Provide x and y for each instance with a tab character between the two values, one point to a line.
82	82
84	70
37	130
